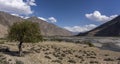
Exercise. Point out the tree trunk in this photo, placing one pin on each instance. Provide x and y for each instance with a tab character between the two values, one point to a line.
20	48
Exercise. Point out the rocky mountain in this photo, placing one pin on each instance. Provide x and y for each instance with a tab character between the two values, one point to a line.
7	19
110	28
50	29
47	29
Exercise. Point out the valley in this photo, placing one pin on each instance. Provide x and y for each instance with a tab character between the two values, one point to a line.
109	43
54	52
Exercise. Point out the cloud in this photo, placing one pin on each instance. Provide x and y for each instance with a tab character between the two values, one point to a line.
31	2
42	18
17	6
81	28
17	15
97	16
24	17
52	19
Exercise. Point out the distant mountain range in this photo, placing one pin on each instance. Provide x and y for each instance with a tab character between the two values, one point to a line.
47	29
110	28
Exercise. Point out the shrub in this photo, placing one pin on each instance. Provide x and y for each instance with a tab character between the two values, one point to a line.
89	44
19	62
2	42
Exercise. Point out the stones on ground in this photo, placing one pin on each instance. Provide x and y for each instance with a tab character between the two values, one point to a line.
60	58
47	53
48	57
3	59
118	58
65	55
80	57
71	61
58	61
37	50
106	55
61	53
94	62
108	59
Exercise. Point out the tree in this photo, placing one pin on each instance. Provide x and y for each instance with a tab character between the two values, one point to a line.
25	31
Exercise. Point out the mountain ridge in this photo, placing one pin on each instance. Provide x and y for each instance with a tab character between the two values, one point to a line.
47	29
110	28
51	28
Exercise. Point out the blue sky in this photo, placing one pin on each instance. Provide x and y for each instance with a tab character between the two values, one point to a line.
73	15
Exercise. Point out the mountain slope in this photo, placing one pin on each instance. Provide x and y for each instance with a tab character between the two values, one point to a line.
47	29
110	28
7	19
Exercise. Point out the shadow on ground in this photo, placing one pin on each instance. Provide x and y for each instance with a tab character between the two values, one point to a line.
6	50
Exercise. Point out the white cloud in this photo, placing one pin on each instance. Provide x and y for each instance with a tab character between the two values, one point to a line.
81	28
17	15
26	17
52	19
42	18
97	16
31	2
17	6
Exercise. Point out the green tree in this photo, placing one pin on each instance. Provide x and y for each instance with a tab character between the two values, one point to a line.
25	31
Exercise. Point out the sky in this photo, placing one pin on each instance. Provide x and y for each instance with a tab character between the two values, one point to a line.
73	15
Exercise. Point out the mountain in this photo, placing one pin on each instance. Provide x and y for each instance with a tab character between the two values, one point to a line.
50	29
7	19
110	28
47	29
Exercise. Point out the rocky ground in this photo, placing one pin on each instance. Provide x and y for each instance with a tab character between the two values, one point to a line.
56	53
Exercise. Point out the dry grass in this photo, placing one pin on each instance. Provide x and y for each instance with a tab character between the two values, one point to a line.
59	53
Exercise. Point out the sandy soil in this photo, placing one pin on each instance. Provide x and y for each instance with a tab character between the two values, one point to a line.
56	53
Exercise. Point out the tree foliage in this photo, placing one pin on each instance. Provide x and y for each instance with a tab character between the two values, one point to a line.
25	31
